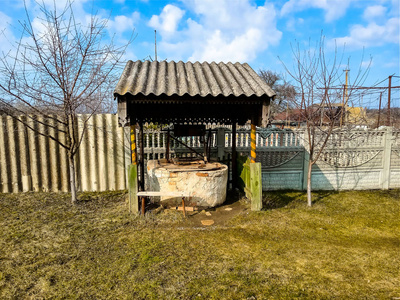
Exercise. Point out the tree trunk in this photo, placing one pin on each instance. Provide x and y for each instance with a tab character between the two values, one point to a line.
309	199
72	181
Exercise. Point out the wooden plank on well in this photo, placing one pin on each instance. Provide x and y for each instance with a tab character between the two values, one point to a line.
256	186
133	188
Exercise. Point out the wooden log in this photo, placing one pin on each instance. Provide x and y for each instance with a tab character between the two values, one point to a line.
187	208
255	186
133	187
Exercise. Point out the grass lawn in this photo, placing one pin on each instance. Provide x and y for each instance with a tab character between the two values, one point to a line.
345	247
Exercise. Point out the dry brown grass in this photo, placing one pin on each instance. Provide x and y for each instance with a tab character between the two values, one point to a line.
345	246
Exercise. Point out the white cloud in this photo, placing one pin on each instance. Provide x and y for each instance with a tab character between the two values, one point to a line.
366	64
240	48
292	23
374	12
334	9
39	21
4	20
118	24
77	6
220	31
121	23
167	21
392	63
372	35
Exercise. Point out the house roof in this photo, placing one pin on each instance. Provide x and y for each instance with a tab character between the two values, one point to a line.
205	79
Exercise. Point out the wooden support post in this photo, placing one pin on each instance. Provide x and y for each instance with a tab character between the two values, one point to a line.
133	175
265	115
205	149
255	173
141	156
143	205
234	157
209	143
168	145
253	144
229	172
133	145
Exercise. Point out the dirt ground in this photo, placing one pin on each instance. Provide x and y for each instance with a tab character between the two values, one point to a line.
217	216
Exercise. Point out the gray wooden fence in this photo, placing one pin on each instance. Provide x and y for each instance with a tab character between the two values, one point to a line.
356	159
32	162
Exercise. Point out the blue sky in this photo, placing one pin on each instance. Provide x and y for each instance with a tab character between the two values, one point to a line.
251	31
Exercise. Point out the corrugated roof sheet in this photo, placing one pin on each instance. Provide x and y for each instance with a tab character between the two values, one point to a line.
193	79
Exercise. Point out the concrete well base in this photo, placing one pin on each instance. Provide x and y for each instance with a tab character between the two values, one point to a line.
206	184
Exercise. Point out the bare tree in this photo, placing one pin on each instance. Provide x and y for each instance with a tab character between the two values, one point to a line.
285	92
317	79
57	71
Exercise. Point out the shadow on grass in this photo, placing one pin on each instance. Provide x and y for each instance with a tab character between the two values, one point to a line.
274	199
279	199
394	193
318	196
102	198
233	196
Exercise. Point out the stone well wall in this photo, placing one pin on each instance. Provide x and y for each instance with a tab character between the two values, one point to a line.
207	187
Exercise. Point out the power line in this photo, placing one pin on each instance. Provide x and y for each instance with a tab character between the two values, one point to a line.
361	88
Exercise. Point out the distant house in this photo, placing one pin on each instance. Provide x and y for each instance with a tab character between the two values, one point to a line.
290	118
336	112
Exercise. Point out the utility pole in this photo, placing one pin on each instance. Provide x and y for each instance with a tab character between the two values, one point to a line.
379	111
346	95
389	96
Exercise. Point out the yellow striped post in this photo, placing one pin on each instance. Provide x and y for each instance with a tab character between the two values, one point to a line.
255	174
133	175
253	144
133	145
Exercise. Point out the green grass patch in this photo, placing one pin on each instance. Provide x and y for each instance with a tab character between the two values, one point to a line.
345	246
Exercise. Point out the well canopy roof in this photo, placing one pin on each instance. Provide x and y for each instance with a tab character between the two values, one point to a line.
192	79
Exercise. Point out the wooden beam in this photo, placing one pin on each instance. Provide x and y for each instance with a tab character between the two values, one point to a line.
234	156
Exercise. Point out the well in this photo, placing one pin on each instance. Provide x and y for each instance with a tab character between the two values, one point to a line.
207	183
186	93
